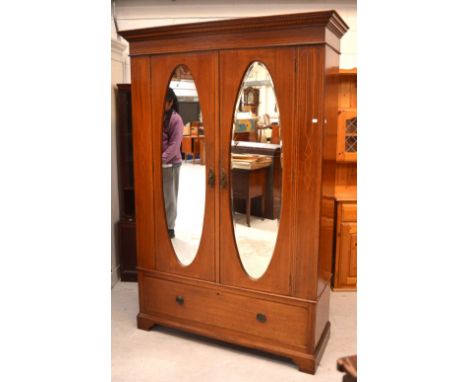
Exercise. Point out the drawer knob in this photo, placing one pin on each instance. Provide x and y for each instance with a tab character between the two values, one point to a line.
261	317
180	300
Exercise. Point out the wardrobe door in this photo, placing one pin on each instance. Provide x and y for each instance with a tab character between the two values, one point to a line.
257	98
193	77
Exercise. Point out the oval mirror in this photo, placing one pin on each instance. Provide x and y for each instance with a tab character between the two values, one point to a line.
256	170
183	165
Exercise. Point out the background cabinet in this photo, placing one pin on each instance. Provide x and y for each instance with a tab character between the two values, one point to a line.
286	310
345	232
126	227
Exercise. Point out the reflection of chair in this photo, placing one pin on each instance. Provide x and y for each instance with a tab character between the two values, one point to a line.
249	184
275	134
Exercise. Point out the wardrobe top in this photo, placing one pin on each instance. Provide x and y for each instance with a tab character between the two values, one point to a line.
279	30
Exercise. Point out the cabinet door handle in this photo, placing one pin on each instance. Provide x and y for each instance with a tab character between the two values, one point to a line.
180	300
223	179
211	177
261	317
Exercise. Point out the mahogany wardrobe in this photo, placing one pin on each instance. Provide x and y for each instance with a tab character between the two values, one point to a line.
285	310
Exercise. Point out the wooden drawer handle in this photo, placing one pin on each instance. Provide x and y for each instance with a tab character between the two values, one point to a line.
180	300
261	317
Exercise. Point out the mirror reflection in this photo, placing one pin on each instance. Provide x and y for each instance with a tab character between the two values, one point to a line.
256	170
183	165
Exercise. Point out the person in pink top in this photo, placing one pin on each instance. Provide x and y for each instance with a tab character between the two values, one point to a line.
173	131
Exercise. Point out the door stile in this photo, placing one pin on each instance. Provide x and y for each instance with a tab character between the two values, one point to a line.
280	63
202	66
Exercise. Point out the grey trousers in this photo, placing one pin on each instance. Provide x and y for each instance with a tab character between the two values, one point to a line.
171	191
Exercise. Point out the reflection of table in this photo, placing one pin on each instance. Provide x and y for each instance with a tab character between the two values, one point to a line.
249	184
194	145
274	178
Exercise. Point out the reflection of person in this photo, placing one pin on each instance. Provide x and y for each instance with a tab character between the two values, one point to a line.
171	157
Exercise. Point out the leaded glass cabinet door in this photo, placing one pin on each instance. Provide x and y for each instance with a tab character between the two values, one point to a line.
347	136
257	101
189	249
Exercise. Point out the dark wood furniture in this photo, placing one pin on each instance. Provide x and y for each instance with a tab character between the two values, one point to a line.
249	184
126	228
272	207
286	310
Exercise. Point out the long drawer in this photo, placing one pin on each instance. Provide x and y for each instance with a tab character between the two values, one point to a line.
274	321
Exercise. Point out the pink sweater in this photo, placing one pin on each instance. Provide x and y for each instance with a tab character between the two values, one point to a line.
172	139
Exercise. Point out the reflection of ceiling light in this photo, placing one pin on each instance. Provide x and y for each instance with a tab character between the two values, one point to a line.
185	90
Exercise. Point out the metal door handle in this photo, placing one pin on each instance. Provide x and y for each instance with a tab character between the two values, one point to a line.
223	179
180	300
211	177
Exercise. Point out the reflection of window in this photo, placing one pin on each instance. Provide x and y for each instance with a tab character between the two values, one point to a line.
256	117
351	135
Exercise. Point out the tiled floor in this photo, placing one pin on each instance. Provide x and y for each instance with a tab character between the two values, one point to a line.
169	355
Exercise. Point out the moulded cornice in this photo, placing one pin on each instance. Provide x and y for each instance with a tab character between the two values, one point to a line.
118	47
328	19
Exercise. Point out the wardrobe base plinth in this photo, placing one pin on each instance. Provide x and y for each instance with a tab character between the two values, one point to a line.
145	323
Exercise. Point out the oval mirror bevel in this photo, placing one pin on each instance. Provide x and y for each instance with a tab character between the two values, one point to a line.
184	178
256	170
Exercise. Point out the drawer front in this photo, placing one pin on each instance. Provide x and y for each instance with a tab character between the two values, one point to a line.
275	321
349	212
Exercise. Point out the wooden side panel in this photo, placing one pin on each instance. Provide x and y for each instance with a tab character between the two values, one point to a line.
203	67
328	170
143	160
322	314
233	65
330	123
308	170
